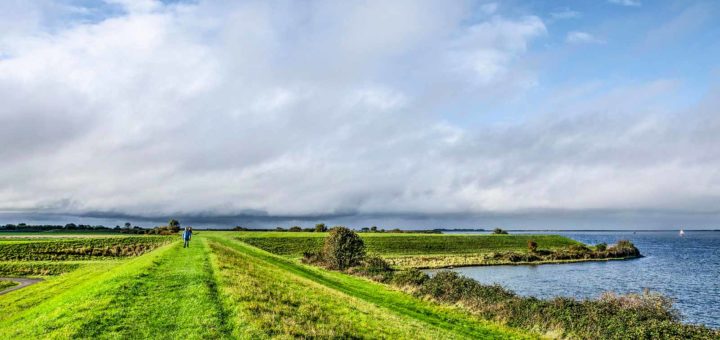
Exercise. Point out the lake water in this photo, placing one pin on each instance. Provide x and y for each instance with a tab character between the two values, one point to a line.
686	269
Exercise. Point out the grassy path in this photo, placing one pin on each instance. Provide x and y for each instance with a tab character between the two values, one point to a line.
174	298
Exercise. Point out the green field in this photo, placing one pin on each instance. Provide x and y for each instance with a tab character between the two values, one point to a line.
386	244
416	250
220	287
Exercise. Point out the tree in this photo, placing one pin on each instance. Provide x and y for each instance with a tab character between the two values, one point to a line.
174	225
295	229
127	225
320	228
499	231
343	248
373	229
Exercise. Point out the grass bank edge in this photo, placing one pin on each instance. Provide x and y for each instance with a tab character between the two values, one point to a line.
450	318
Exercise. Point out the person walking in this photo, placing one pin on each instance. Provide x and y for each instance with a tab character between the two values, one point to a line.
186	235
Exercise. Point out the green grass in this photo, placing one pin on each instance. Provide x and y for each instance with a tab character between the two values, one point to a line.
288	298
414	250
385	244
7	284
223	288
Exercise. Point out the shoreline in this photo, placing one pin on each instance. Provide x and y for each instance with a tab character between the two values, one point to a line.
398	263
524	263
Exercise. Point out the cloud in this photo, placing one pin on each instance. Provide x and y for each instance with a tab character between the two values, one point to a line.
632	3
274	111
577	37
157	110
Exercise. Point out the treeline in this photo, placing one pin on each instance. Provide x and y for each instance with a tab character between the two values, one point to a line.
49	227
322	227
173	227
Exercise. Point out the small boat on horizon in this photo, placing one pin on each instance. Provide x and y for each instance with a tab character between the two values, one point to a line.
682	233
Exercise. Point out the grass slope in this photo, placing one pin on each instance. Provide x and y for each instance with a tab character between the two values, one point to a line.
314	302
223	288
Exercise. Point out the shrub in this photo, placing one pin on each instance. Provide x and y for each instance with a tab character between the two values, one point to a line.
320	228
532	246
295	229
312	257
634	316
601	246
376	264
376	268
343	249
449	286
499	231
411	277
623	248
578	248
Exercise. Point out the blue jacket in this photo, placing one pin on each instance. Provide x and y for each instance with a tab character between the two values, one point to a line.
186	234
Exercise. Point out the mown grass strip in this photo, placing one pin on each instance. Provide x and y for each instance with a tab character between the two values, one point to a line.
450	320
176	297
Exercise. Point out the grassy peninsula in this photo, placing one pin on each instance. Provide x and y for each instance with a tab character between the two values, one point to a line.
407	250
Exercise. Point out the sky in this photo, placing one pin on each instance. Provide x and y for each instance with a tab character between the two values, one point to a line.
413	114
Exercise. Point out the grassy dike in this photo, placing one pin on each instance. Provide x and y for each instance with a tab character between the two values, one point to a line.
223	288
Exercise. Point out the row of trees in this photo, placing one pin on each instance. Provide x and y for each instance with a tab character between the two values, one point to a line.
172	227
322	227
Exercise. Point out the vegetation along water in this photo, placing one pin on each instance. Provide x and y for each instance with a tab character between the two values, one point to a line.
272	284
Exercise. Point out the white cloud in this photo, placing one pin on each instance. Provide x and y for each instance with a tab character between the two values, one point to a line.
487	49
577	37
161	110
228	108
633	3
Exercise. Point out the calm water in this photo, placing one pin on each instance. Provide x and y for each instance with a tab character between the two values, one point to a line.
684	268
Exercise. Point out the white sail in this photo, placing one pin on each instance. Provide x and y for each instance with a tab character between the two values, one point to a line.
682	232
